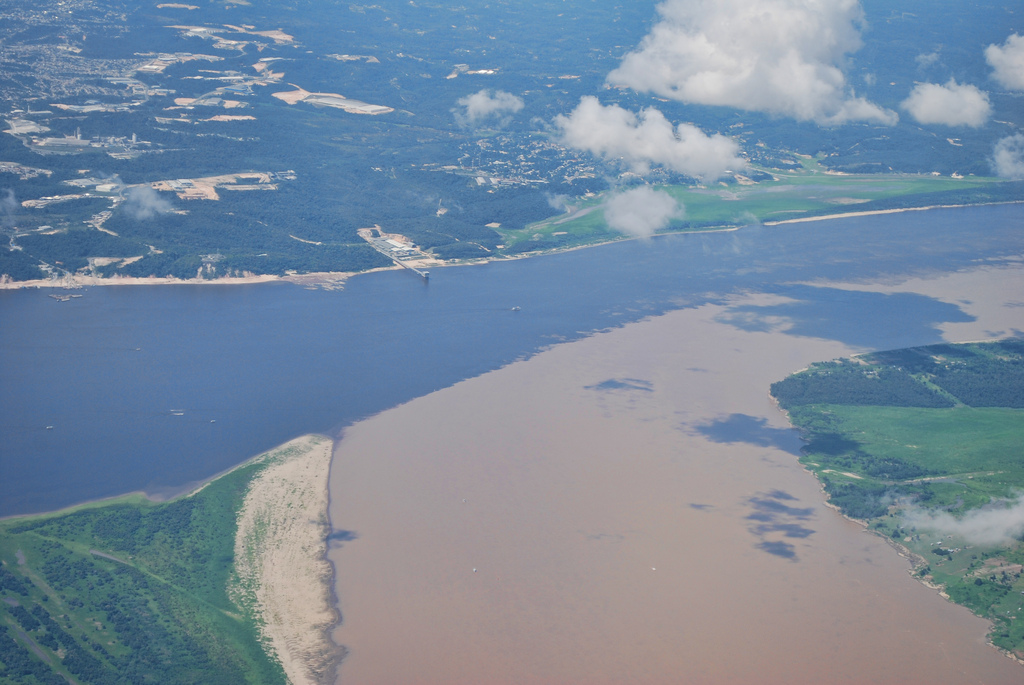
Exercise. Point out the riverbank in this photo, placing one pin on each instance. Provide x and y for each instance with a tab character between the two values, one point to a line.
878	212
326	279
336	280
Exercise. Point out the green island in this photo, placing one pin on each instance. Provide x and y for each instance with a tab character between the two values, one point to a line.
770	196
134	591
923	446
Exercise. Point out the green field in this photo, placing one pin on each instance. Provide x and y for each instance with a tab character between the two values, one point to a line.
924	445
778	196
129	591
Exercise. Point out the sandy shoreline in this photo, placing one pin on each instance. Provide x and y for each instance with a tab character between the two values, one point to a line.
325	279
876	212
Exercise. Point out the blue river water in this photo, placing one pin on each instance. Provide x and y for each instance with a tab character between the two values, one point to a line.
156	387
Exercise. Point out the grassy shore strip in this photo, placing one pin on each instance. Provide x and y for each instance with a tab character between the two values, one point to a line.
282	575
922	446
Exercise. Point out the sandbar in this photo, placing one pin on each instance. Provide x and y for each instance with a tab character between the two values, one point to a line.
282	574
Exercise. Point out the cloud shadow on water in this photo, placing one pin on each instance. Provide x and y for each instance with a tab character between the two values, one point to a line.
773	515
752	431
622	384
769	504
779	549
859	319
339	536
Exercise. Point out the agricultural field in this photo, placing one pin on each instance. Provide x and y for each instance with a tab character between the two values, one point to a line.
923	445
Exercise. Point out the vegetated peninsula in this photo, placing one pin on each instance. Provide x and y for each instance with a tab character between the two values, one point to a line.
923	445
228	584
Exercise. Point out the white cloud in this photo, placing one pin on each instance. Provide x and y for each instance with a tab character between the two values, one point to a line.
144	203
926	60
1008	159
775	56
8	206
953	104
559	202
641	211
1007	62
497	108
640	141
995	524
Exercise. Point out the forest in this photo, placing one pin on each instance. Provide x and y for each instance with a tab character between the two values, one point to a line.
421	170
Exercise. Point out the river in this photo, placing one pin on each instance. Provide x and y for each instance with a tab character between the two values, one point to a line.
629	508
590	431
155	388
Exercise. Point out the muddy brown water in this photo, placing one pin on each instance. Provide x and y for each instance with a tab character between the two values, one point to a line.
629	508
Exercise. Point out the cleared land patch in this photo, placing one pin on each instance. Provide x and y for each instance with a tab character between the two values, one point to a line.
331	100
